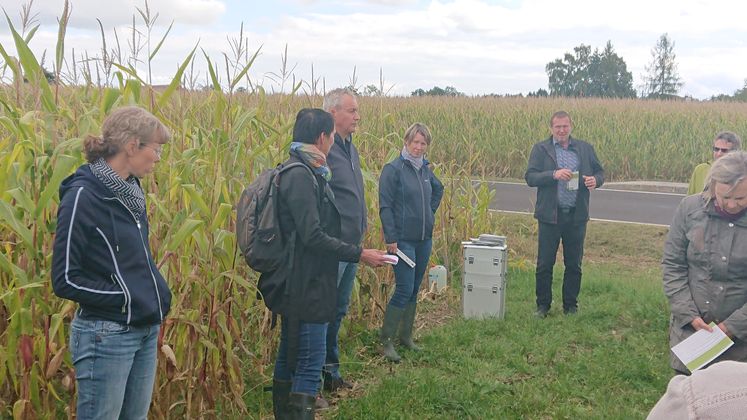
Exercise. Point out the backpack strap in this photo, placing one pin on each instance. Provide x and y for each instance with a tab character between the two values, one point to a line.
313	178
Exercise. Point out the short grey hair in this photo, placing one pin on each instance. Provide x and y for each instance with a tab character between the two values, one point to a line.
333	98
415	129
730	169
730	137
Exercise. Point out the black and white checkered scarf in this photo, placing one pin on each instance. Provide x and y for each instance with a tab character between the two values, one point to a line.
127	191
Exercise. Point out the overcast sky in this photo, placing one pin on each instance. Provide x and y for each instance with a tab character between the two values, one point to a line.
476	46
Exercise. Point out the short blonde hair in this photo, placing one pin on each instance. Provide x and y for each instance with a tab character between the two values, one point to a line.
415	129
122	125
730	169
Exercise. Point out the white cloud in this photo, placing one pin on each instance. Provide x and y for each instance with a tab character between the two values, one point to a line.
120	12
475	46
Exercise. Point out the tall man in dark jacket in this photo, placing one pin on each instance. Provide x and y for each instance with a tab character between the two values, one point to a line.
347	184
564	170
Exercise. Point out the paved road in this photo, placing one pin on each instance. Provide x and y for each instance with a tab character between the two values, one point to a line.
606	204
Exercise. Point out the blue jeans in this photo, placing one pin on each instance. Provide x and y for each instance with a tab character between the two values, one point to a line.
115	368
407	280
345	282
309	359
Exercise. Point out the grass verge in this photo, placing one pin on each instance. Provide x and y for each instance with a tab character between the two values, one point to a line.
608	361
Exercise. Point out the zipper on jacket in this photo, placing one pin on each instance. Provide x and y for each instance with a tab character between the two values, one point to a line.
147	257
117	277
114	228
422	199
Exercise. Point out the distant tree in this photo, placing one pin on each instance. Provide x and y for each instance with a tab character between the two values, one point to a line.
662	79
740	95
371	90
437	91
609	75
352	88
451	91
540	93
587	73
570	76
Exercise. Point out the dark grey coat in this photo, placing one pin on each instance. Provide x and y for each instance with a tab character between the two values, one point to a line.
347	184
542	163
705	274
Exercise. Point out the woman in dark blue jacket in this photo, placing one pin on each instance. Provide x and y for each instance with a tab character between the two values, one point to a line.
102	261
409	195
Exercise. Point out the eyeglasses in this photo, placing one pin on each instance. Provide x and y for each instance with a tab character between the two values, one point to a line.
719	149
158	150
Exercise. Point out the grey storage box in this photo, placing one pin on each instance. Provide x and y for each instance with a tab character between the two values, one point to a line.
484	279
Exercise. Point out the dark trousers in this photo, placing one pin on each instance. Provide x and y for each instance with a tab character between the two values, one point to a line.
572	234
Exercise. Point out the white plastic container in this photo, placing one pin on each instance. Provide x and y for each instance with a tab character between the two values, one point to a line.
484	280
437	275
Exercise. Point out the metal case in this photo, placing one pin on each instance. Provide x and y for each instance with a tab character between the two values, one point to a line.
484	280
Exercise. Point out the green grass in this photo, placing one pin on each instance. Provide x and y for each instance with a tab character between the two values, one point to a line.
608	361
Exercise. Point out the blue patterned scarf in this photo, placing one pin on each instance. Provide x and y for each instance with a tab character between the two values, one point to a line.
312	156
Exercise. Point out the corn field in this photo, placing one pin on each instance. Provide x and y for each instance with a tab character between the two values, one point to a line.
216	346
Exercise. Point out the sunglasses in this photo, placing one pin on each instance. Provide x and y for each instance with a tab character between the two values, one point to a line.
719	149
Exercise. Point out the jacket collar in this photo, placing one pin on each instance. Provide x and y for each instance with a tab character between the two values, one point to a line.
84	177
340	141
710	208
405	161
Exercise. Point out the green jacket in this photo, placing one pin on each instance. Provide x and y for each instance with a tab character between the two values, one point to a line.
698	179
705	274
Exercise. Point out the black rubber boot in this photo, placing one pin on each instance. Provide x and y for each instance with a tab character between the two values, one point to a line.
280	392
405	329
301	406
392	318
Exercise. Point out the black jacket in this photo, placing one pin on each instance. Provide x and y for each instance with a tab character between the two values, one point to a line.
310	219
542	163
408	200
102	257
347	184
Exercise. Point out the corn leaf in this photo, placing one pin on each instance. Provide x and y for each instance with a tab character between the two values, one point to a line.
176	81
184	231
33	70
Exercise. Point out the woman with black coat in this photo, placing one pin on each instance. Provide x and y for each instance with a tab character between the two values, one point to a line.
310	221
409	195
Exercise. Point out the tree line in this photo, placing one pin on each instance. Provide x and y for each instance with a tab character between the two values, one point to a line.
604	74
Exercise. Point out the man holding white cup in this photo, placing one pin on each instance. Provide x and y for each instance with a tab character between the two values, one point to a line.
564	169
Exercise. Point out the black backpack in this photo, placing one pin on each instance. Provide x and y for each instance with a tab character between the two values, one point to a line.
259	237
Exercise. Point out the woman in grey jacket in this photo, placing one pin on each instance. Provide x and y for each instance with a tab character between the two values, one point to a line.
409	195
705	260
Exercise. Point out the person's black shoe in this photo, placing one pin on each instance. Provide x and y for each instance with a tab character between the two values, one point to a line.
321	403
570	311
334	384
541	312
